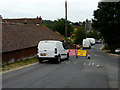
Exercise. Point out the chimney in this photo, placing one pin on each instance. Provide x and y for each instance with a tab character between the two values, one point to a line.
40	21
25	21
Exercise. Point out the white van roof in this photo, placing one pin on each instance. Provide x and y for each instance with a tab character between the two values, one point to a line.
89	38
85	39
45	41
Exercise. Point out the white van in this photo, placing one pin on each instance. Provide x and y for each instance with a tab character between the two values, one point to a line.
92	41
52	50
86	43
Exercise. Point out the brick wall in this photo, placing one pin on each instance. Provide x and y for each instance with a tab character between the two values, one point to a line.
18	54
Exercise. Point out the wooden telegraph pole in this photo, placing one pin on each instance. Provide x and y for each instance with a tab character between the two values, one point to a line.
66	18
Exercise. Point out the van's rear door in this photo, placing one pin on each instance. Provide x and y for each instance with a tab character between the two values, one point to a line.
46	49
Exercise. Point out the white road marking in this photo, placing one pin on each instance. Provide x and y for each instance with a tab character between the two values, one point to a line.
84	64
89	64
75	62
44	60
98	66
68	62
92	64
65	62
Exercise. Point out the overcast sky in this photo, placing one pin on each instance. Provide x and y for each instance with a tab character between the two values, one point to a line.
78	10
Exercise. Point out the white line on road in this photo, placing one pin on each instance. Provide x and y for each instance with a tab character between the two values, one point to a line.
89	64
75	62
84	64
68	62
92	64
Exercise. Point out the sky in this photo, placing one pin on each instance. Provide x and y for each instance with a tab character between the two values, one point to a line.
78	10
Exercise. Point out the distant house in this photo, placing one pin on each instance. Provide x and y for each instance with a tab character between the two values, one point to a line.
20	40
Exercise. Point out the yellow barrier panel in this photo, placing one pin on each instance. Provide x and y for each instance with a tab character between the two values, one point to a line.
81	52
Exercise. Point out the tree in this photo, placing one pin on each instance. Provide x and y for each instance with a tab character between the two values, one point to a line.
94	34
80	35
47	23
59	25
107	21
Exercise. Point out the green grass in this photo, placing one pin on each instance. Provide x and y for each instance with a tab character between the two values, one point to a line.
106	49
8	66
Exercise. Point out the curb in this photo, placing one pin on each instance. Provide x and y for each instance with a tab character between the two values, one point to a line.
105	51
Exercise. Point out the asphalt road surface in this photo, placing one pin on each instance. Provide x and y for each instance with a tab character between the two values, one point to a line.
74	73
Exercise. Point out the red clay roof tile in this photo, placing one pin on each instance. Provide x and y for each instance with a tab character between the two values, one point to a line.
20	36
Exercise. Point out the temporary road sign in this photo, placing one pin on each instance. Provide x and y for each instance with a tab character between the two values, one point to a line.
72	52
81	52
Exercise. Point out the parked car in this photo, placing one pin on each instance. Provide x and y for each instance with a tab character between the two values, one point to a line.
117	50
86	43
51	50
92	41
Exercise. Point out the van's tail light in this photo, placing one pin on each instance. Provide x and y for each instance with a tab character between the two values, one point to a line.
55	50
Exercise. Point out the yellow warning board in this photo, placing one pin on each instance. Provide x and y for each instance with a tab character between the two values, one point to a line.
81	52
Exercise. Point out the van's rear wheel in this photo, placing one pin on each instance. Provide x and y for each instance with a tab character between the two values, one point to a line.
40	60
67	56
58	59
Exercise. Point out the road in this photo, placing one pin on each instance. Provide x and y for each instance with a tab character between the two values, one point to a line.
74	73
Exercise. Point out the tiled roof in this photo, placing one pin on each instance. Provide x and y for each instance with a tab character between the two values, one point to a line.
20	36
23	20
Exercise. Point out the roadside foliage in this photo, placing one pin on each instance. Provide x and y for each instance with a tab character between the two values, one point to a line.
107	21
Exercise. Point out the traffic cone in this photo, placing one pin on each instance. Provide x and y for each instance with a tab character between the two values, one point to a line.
88	56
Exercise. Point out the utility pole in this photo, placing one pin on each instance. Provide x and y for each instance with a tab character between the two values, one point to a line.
66	18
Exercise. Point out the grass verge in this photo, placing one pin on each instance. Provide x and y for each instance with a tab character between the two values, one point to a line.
9	66
107	51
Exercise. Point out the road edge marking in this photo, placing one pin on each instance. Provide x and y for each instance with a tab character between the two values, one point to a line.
19	68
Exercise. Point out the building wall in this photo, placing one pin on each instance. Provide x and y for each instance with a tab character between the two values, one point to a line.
18	54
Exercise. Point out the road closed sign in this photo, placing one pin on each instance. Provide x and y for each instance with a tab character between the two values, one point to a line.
72	52
81	52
